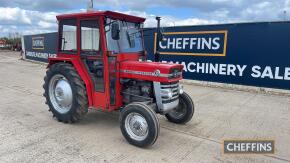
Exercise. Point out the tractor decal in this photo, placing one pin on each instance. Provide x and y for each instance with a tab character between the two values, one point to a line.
155	73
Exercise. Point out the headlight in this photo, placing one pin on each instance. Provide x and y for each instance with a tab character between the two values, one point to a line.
175	73
180	88
166	93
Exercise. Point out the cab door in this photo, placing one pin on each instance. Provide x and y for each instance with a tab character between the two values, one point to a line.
93	59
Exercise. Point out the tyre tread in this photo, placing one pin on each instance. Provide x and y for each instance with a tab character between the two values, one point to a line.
151	113
81	99
187	117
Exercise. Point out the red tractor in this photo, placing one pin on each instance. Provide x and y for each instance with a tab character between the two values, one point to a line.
101	64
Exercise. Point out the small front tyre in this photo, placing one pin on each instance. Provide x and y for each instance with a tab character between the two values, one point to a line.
183	112
139	124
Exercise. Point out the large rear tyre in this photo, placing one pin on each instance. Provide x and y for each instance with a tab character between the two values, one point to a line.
183	112
139	124
65	93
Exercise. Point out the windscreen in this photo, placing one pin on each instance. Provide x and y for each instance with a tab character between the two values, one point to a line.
130	37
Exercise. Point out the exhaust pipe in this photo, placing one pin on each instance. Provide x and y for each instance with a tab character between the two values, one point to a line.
158	39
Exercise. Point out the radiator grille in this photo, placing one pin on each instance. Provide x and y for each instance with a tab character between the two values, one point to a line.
173	87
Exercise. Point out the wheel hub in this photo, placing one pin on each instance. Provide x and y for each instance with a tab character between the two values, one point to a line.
136	126
60	93
63	93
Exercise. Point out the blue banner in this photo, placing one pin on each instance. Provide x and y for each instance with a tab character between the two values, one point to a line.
40	47
255	54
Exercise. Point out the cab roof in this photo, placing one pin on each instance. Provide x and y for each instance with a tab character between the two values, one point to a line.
110	14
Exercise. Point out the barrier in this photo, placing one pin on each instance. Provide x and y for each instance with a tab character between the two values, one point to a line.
252	54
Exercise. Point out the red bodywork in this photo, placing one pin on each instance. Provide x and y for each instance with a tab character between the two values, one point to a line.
124	62
147	68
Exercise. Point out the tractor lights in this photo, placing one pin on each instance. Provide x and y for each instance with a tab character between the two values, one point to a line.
175	73
167	93
180	89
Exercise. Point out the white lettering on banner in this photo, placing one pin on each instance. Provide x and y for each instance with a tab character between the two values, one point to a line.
212	43
271	73
256	71
37	42
40	55
231	70
241	69
267	72
209	68
216	43
287	74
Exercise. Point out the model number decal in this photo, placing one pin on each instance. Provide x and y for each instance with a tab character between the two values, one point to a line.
155	73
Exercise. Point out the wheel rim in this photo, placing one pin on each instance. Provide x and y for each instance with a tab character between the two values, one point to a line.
179	111
136	126
60	93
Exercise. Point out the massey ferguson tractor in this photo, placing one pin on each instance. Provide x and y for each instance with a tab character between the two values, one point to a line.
101	64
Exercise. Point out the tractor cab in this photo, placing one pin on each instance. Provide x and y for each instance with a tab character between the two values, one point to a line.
101	64
97	40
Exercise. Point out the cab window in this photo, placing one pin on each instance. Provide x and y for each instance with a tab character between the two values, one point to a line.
68	36
90	37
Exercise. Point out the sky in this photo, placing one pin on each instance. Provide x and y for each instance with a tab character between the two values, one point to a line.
38	16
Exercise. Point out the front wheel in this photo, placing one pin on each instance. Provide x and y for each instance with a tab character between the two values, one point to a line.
139	124
183	112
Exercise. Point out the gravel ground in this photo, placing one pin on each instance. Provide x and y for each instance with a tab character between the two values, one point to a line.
29	133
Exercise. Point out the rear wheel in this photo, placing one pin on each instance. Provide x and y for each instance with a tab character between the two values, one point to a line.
183	112
65	93
139	124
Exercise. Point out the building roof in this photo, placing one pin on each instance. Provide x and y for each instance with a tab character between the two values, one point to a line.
110	14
